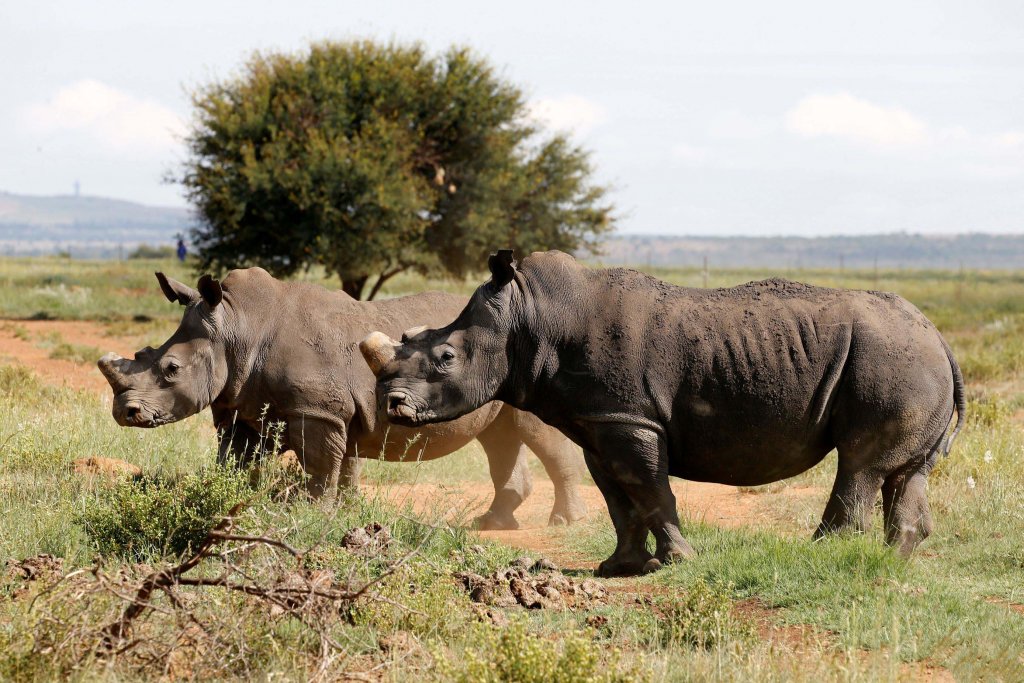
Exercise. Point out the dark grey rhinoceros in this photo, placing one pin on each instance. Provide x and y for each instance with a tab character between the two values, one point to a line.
257	343
740	386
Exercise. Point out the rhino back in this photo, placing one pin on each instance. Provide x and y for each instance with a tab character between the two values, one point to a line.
738	377
304	340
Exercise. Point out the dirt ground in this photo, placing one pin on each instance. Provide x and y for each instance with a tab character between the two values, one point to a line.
55	371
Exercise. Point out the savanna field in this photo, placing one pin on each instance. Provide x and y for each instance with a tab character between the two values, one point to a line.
118	576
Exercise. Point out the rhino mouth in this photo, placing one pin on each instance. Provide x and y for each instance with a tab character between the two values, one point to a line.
133	413
401	409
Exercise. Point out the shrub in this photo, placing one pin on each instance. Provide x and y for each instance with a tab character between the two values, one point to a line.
146	251
514	655
149	517
703	619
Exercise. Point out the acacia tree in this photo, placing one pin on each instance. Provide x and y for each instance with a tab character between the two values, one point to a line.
373	159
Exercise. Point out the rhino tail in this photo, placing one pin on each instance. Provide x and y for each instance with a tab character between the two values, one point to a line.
959	401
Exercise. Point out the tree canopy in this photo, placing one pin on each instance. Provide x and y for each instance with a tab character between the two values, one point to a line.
373	159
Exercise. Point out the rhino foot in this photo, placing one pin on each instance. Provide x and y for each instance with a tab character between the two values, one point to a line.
566	515
492	521
627	566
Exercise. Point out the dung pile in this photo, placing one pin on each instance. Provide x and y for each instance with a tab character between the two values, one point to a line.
532	585
20	574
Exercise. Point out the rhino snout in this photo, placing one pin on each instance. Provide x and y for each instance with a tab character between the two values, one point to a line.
400	409
378	349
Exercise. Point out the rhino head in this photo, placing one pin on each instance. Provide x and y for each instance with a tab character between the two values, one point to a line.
439	375
185	374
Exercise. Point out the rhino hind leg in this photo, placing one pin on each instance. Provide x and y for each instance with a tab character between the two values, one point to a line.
908	520
851	502
510	474
563	463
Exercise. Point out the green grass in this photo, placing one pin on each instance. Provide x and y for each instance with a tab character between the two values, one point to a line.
866	614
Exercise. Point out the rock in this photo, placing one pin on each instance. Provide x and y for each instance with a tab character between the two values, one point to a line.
544	564
373	536
356	539
593	589
551	594
525	594
109	467
523	562
44	566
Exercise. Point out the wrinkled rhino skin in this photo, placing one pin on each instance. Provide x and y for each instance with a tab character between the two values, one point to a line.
255	341
741	386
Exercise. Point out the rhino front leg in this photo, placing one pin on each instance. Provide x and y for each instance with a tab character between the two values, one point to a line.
636	459
238	444
320	447
631	554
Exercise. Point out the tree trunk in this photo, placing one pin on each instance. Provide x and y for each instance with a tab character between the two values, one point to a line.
382	278
354	288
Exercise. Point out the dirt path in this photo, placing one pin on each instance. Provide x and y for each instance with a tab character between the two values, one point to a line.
714	504
24	349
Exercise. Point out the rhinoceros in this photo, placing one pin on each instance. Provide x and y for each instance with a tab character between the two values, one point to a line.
258	350
743	386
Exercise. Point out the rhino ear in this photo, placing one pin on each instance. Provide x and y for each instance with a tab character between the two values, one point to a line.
210	290
503	267
176	291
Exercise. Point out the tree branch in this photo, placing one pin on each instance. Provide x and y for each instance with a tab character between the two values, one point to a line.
384	277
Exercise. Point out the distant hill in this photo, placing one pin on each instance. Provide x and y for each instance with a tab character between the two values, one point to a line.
896	250
96	227
89	226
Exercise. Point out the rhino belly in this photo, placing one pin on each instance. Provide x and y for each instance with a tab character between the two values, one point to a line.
752	437
394	443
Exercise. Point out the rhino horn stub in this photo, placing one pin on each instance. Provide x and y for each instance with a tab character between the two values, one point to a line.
108	365
378	349
412	332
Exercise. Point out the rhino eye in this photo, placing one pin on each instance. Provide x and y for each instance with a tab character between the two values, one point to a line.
447	356
172	368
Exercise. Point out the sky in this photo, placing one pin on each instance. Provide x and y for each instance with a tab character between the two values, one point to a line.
727	117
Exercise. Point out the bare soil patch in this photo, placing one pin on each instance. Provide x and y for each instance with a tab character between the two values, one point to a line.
714	504
28	353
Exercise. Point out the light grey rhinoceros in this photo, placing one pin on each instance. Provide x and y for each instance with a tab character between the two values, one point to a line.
255	343
741	386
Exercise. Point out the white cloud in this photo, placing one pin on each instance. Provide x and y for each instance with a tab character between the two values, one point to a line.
567	113
1011	138
685	152
111	116
844	116
735	125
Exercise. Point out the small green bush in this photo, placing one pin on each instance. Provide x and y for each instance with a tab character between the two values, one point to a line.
989	412
150	517
76	353
702	619
512	655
